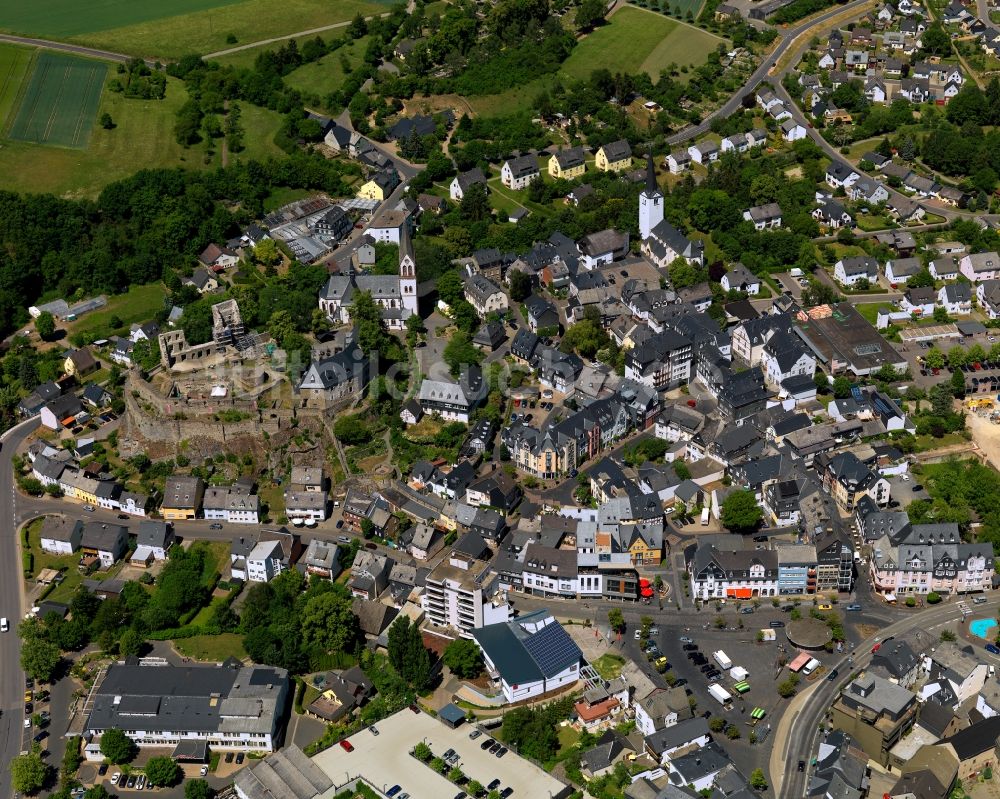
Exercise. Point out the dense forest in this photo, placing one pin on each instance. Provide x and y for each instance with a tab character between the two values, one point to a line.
138	230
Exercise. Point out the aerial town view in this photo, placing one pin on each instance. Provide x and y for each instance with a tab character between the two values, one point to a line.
473	399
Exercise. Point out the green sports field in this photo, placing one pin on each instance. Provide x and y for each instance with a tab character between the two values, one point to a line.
60	101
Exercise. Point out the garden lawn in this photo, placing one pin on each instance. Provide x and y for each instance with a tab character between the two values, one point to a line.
206	25
214	648
260	125
609	665
327	75
869	310
139	304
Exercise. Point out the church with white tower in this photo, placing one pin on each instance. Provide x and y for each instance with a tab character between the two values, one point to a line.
662	243
396	295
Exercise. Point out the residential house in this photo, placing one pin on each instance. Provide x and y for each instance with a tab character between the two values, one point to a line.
678	161
182	496
832	214
614	157
792	130
945	268
152	542
840	176
739	278
852	271
567	163
956	298
484	295
704	152
517	173
463	181
80	362
900	270
764	217
980	266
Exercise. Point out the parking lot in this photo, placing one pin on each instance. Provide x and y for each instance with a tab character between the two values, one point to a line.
385	761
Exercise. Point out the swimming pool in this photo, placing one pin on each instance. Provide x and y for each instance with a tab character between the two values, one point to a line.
982	627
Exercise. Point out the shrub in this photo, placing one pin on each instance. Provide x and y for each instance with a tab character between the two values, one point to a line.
933	598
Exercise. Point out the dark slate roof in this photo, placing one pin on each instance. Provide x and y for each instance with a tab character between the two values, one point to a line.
976	739
521	656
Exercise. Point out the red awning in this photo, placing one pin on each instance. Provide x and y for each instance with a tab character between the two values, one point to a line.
646	592
644	583
739	593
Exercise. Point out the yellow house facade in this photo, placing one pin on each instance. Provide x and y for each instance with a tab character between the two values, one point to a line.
371	191
568	164
614	157
379	187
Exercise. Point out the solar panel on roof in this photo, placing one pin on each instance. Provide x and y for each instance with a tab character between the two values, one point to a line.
856	393
552	649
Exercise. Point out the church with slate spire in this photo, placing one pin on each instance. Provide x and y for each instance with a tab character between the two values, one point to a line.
662	243
396	294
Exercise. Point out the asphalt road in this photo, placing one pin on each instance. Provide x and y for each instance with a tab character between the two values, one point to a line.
75	49
788	37
11	676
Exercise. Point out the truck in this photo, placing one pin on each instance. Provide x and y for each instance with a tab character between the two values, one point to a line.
810	667
738	673
704	517
720	694
723	660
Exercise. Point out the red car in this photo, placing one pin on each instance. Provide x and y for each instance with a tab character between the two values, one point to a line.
346	746
876	648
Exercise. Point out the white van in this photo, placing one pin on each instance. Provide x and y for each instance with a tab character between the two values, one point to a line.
4	626
810	667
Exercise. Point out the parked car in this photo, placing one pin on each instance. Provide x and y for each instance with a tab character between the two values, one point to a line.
394	790
240	757
777	624
992	649
494	784
854	606
374	730
502	751
474	734
131	781
115	777
825	606
495	747
346	745
141	782
486	744
123	516
215	526
685	640
230	756
102	769
746	611
690	647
